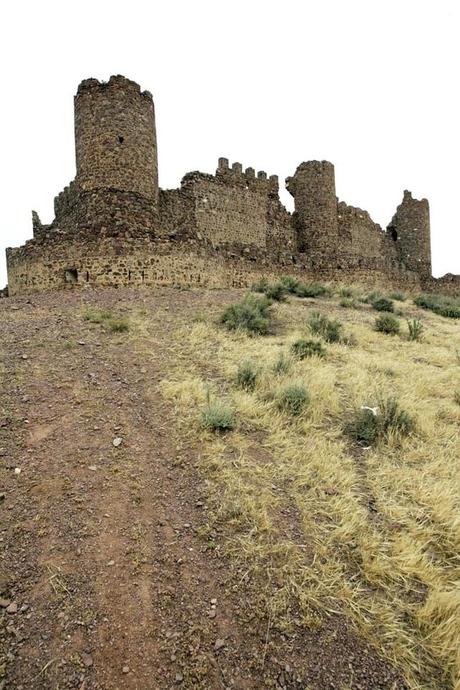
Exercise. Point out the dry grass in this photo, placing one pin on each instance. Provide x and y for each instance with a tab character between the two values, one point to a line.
324	526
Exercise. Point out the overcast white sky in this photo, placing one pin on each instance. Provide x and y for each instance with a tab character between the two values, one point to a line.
371	85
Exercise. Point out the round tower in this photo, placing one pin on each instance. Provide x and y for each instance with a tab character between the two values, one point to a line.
115	138
313	189
410	232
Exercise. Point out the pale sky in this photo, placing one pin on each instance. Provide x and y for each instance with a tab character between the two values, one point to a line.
370	85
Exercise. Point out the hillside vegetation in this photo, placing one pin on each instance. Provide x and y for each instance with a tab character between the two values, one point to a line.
230	489
331	507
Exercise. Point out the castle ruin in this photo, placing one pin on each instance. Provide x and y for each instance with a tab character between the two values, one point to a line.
114	226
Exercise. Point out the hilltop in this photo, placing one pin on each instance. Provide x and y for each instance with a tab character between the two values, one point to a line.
308	544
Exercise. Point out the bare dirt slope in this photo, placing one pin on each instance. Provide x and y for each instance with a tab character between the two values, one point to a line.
106	581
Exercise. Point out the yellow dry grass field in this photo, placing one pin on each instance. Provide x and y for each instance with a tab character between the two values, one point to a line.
320	523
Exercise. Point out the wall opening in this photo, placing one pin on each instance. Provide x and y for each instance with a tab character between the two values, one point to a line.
143	276
71	275
121	140
87	276
129	275
394	235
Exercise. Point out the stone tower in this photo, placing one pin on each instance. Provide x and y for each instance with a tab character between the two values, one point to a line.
410	230
115	138
313	189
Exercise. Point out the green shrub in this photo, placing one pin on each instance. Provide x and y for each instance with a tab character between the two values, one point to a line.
291	284
282	365
107	319
387	323
276	291
246	376
293	399
313	290
348	303
260	286
369	425
97	315
372	296
439	304
307	348
346	292
398	296
383	304
218	416
415	329
117	325
251	315
329	329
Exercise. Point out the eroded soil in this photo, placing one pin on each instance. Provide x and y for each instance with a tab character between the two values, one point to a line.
102	553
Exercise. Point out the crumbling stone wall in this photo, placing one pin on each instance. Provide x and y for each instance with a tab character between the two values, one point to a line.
357	232
236	207
410	231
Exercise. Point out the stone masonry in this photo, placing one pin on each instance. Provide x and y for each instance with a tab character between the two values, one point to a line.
114	226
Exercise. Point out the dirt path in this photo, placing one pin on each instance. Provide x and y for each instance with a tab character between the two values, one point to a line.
101	547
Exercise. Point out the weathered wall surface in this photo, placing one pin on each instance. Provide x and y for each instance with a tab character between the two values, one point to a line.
316	222
115	137
410	229
358	234
76	262
449	284
236	207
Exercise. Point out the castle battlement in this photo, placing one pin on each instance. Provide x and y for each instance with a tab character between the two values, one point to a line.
113	224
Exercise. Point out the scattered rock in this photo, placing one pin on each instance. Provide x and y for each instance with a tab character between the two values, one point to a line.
87	659
179	677
17	470
125	669
219	644
25	356
117	441
4	603
110	563
12	608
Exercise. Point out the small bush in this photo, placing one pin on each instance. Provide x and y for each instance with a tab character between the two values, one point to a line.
117	325
369	425
348	303
383	304
107	319
387	323
293	399
307	348
282	365
329	329
246	376
346	292
276	291
439	304
291	284
371	297
313	290
398	296
251	315
415	329
260	286
217	416
97	315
